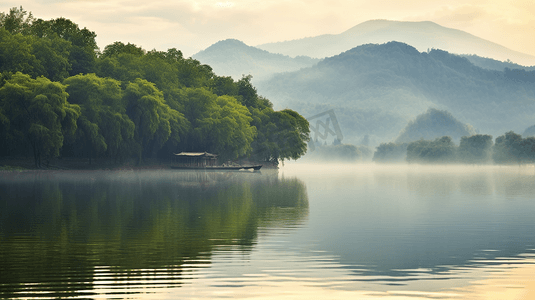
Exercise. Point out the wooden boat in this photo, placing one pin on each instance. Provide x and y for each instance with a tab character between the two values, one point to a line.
218	168
205	161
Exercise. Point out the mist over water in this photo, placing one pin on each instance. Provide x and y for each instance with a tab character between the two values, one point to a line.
342	231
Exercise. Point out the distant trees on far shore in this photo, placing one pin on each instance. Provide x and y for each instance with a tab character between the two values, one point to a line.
345	153
509	148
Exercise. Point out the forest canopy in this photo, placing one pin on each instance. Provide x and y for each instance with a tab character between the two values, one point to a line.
60	96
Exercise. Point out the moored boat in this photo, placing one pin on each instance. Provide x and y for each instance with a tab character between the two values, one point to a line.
206	161
219	168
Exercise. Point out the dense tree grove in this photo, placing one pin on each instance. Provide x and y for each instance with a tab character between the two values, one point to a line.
390	152
441	150
61	96
512	148
475	149
35	115
509	148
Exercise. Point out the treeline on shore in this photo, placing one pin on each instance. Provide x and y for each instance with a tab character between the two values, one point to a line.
60	96
510	148
337	152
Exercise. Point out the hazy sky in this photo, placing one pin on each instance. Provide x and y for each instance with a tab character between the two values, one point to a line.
193	25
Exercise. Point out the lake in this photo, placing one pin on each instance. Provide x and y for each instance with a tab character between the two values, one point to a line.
301	232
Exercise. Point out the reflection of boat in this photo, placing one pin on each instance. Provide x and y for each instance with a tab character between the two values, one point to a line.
205	161
219	168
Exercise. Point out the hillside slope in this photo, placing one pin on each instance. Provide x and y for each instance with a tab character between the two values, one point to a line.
377	89
434	124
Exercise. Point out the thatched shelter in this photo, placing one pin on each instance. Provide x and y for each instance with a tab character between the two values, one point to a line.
196	159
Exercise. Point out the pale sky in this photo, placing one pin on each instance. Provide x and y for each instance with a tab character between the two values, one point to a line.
193	25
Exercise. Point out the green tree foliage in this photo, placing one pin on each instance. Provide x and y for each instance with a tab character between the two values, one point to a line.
16	53
507	148
248	95
233	133
527	147
168	70
16	20
281	134
121	62
155	122
284	135
441	150
223	86
47	57
293	134
512	148
103	125
191	73
82	44
118	48
53	55
219	123
265	146
38	115
475	149
390	152
136	103
60	47
174	75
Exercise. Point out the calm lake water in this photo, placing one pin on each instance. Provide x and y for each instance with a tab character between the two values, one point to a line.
302	232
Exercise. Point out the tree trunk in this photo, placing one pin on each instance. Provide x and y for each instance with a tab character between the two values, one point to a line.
36	157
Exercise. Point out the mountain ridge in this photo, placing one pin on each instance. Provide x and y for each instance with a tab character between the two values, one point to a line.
376	89
232	57
422	35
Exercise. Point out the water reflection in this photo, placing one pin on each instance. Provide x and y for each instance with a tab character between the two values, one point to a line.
65	234
398	224
471	180
307	231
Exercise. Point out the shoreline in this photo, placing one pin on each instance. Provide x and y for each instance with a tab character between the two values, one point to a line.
8	164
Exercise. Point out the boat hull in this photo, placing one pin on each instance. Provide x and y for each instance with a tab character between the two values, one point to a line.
219	168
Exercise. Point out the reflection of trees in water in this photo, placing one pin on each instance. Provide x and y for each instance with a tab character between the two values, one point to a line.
440	217
469	180
66	225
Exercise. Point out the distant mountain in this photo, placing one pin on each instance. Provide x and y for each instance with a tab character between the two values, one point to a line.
530	131
376	89
421	35
434	124
234	58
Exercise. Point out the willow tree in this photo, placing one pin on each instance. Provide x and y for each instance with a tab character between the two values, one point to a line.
38	114
104	126
219	124
155	122
282	135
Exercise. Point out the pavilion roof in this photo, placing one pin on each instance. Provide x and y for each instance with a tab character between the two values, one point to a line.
196	154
